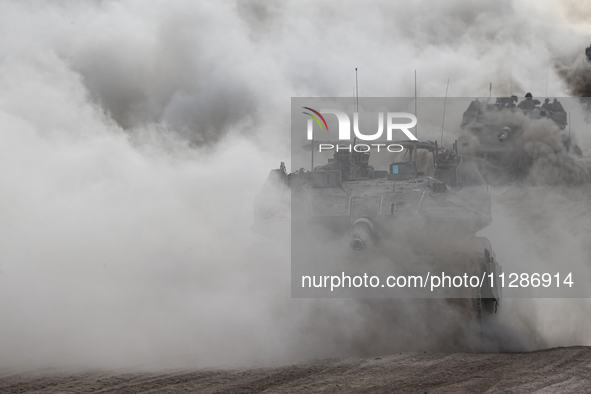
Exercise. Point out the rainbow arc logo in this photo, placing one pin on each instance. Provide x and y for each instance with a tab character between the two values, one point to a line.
315	118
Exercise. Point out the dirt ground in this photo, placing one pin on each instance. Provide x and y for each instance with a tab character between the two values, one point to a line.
558	370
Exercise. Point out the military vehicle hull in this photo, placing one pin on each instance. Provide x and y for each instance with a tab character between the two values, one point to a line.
398	212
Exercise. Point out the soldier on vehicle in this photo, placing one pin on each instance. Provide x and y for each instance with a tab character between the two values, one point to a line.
340	161
547	106
346	162
512	102
361	160
557	107
529	102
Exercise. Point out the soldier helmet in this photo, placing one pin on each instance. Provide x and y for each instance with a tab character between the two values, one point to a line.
528	95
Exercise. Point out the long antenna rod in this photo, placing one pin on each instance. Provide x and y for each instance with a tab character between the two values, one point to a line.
357	89
511	81
443	120
416	126
490	91
352	171
312	159
569	126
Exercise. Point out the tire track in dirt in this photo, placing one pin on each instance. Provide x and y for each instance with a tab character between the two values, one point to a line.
552	370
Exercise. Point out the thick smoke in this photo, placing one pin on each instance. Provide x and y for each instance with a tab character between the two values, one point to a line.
136	135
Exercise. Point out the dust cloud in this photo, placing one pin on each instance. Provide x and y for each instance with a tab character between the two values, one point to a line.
136	135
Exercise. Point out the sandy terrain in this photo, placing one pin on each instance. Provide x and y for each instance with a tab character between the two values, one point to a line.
549	371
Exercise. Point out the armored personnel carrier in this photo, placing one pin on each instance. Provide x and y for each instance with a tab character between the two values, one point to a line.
398	208
494	134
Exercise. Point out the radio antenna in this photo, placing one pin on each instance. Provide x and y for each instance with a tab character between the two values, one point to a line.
416	126
510	82
443	120
352	170
312	158
356	91
490	91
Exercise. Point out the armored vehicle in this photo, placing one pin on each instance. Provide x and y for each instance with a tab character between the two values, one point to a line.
396	209
494	134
